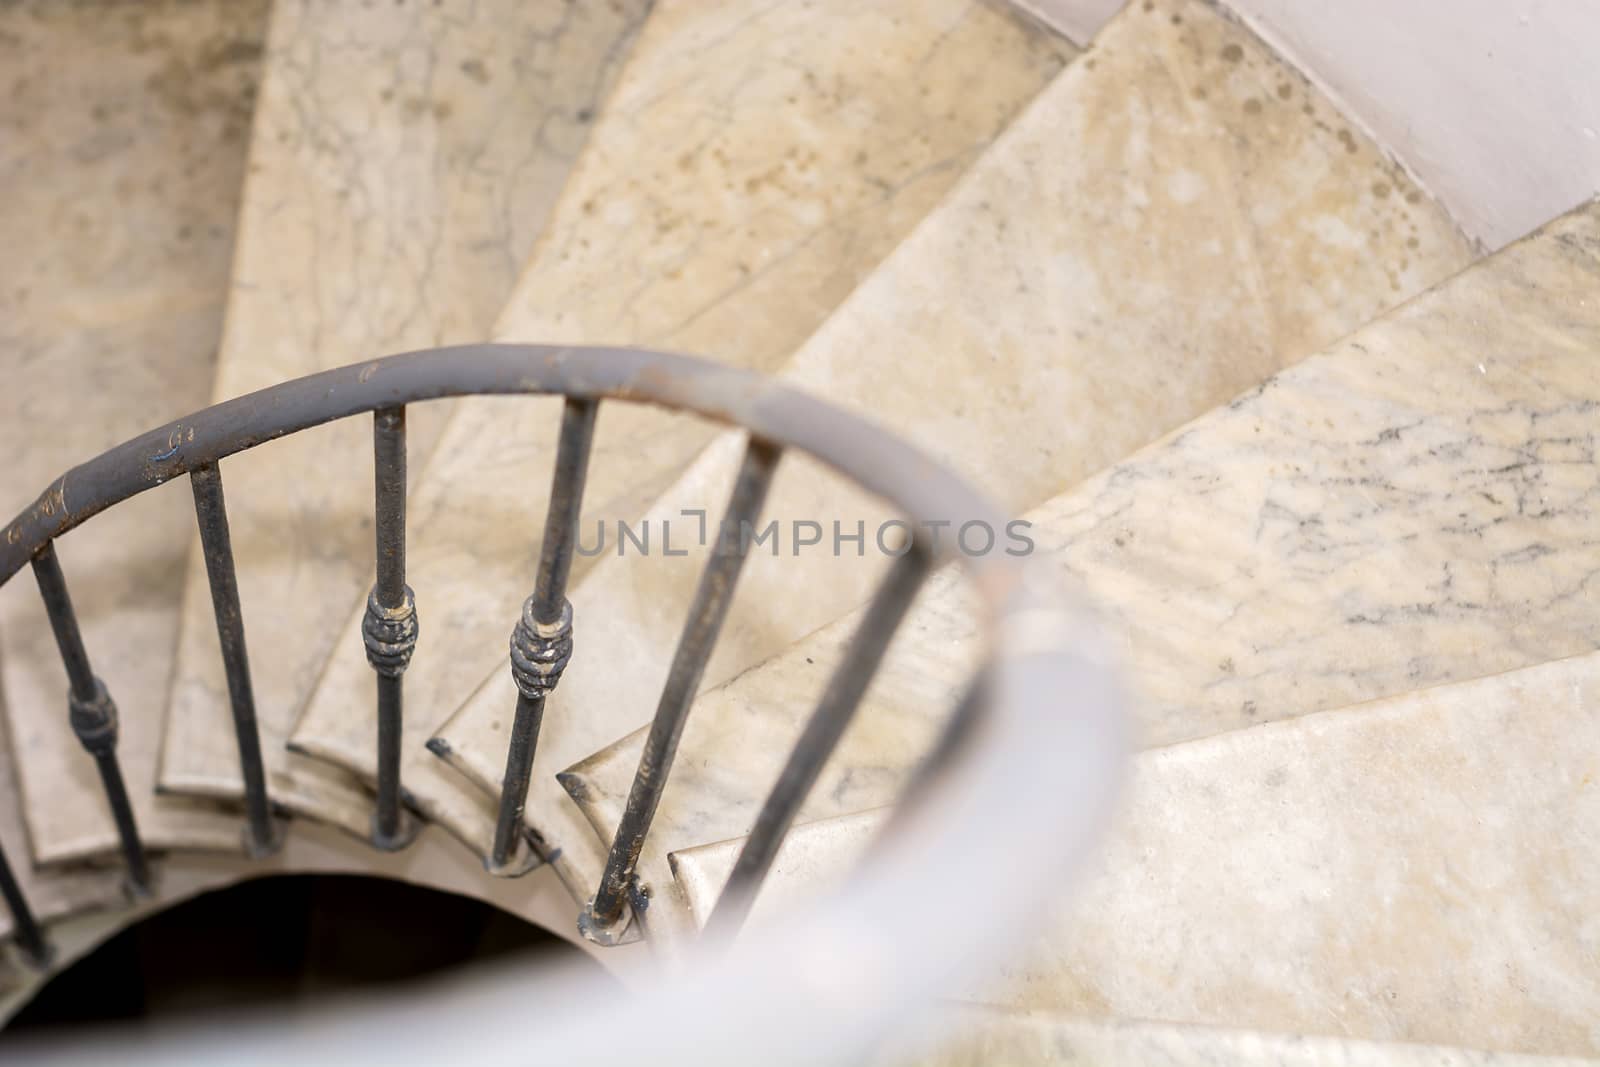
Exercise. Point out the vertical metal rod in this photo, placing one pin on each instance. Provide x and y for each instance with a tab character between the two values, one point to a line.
91	711
566	504
24	927
955	736
710	606
211	512
541	643
817	741
389	628
514	785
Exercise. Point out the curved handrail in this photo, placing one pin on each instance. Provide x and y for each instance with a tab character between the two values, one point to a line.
990	832
727	395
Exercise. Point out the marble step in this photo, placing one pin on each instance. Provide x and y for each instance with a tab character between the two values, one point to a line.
755	162
1414	506
122	145
1421	868
404	157
1175	218
983	1036
52	893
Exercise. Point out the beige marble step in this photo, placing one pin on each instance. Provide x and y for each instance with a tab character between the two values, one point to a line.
1034	1039
52	893
1415	506
1176	217
403	159
1422	868
755	162
122	145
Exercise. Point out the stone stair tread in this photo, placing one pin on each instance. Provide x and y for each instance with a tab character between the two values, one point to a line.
1289	552
1021	1039
52	893
403	159
121	154
755	161
1420	868
1057	321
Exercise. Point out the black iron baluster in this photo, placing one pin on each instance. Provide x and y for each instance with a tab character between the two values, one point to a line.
819	738
541	643
24	927
389	628
91	711
956	735
601	919
211	512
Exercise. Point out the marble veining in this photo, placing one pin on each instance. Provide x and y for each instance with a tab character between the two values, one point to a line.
403	159
1422	868
122	145
1415	506
1175	218
754	163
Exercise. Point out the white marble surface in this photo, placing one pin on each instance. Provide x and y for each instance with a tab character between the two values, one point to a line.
1416	505
1024	1039
1423	868
755	162
404	156
1044	322
122	145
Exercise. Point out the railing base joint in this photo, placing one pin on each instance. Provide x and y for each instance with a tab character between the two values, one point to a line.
137	892
41	962
410	827
524	860
257	849
621	930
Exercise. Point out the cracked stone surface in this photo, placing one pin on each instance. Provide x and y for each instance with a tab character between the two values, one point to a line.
1415	506
122	145
404	157
1043	322
756	161
1422	868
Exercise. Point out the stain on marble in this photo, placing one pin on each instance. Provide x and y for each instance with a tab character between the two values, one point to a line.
403	159
121	152
1415	506
755	162
1127	255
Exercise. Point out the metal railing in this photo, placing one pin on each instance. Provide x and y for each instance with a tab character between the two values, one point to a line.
1022	622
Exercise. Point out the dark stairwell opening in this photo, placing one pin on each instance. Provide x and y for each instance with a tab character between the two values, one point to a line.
280	941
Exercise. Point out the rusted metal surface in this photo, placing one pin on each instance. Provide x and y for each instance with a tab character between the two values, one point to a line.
390	629
1013	750
605	919
775	417
849	444
541	642
91	711
216	543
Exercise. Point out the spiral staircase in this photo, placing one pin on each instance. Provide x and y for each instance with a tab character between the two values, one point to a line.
1322	465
